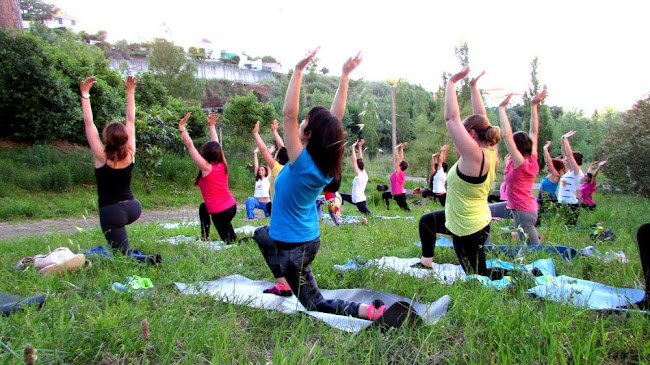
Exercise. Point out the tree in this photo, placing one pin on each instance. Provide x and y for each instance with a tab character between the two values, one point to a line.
546	121
10	18
37	11
168	62
628	150
240	115
464	97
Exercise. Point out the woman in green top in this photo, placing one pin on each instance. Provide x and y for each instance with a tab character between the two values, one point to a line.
467	215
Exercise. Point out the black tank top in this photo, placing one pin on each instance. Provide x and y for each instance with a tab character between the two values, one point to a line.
113	185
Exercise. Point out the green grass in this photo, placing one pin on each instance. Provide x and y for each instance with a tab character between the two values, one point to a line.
83	321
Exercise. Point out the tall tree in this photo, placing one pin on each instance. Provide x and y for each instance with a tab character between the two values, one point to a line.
10	15
37	11
462	54
167	61
546	121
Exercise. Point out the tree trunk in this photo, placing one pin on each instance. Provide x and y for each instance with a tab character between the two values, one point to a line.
10	15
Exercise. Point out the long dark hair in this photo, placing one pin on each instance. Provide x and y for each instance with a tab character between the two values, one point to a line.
257	173
524	143
325	145
211	152
282	156
116	138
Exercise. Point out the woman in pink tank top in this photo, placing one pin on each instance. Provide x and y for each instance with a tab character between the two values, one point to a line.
218	202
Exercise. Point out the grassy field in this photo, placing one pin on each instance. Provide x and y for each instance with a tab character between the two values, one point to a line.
83	321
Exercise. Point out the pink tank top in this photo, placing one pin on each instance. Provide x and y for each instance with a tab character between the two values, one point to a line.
215	191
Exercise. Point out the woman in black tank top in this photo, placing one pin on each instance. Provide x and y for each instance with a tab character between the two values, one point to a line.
114	163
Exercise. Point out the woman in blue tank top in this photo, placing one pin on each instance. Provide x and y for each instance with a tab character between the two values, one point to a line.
290	243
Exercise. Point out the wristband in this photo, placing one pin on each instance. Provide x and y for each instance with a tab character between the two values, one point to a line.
85	95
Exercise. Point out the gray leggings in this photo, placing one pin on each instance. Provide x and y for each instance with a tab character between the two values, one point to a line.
291	261
113	218
526	221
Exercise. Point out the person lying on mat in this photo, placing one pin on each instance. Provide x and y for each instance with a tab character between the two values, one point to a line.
467	215
291	241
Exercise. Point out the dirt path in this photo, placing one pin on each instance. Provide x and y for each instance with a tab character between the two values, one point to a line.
69	225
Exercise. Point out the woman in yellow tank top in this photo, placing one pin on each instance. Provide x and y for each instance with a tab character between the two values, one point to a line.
466	216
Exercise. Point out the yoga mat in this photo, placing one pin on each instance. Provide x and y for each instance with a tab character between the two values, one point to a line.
567	252
449	273
241	290
10	303
584	293
180	239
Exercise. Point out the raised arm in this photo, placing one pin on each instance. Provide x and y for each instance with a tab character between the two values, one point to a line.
211	120
600	166
477	100
276	135
467	147
96	145
202	163
443	155
290	111
434	163
360	145
129	85
338	104
506	129
270	161
256	163
397	157
534	120
549	160
568	152
357	170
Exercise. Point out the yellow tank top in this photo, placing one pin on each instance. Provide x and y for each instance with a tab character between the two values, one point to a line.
466	210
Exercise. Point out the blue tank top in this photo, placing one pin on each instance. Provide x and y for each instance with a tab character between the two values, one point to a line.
549	186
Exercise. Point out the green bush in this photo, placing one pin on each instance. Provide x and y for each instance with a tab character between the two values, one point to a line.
628	151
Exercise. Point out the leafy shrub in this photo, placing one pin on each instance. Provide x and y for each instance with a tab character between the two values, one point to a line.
628	150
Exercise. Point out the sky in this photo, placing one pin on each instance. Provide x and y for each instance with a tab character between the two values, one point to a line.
591	53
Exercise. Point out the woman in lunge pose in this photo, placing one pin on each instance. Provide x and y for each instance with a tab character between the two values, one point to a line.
467	215
212	179
114	162
290	243
521	170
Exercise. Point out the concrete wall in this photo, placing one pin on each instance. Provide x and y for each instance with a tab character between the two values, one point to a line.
204	70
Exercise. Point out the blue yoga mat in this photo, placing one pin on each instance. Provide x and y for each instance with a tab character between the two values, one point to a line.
586	293
567	252
10	303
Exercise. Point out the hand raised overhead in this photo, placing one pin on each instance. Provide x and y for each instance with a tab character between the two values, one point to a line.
130	83
274	125
87	84
459	76
352	63
212	119
539	98
181	124
473	81
305	61
505	101
256	128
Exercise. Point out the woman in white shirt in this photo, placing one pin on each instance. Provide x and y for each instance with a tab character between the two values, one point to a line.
358	196
261	196
570	181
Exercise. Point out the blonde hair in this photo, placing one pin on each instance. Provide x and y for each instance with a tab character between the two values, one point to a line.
486	133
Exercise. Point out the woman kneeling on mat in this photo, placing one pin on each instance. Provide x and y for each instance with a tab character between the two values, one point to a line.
521	170
358	196
467	215
261	196
114	164
292	239
212	180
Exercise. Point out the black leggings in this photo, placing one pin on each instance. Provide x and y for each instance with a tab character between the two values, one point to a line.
221	222
363	208
291	261
113	218
401	201
469	249
442	198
